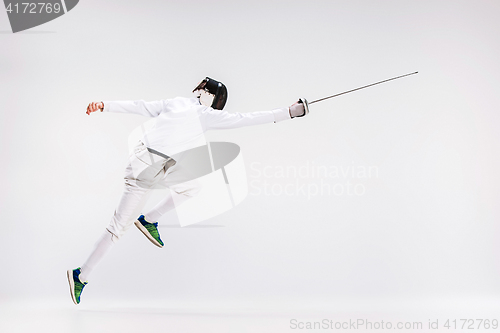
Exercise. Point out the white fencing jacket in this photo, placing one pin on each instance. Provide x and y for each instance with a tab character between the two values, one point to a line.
181	122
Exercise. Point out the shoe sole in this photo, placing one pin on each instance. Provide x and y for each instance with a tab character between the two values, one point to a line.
139	226
71	286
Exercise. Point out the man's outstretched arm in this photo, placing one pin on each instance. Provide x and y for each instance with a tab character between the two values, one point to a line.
140	107
219	119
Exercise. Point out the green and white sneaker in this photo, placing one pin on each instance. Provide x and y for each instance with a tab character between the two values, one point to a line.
75	285
150	230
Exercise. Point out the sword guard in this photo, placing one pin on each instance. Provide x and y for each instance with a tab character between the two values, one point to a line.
306	106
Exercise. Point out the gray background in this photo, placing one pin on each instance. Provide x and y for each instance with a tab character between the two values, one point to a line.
425	232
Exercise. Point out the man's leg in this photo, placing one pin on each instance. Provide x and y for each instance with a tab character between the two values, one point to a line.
183	192
139	178
102	247
179	180
132	201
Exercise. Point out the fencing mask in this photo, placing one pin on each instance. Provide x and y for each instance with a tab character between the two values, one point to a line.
212	93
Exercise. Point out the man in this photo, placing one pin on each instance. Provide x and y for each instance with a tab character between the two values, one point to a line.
180	126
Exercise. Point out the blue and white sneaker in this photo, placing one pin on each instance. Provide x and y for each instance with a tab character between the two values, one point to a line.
75	285
150	230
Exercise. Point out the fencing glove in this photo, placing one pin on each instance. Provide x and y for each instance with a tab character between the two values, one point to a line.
299	109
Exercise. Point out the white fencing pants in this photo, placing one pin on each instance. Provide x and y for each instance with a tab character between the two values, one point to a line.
144	171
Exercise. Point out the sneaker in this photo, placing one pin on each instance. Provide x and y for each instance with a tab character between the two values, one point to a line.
150	230
75	285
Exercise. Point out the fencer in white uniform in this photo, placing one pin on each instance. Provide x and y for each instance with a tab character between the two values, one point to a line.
180	125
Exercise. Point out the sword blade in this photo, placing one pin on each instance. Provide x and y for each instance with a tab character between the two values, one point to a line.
345	92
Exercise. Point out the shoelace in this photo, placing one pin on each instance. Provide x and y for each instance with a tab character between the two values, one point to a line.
152	227
79	287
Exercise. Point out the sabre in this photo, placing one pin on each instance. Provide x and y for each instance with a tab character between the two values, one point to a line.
345	92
